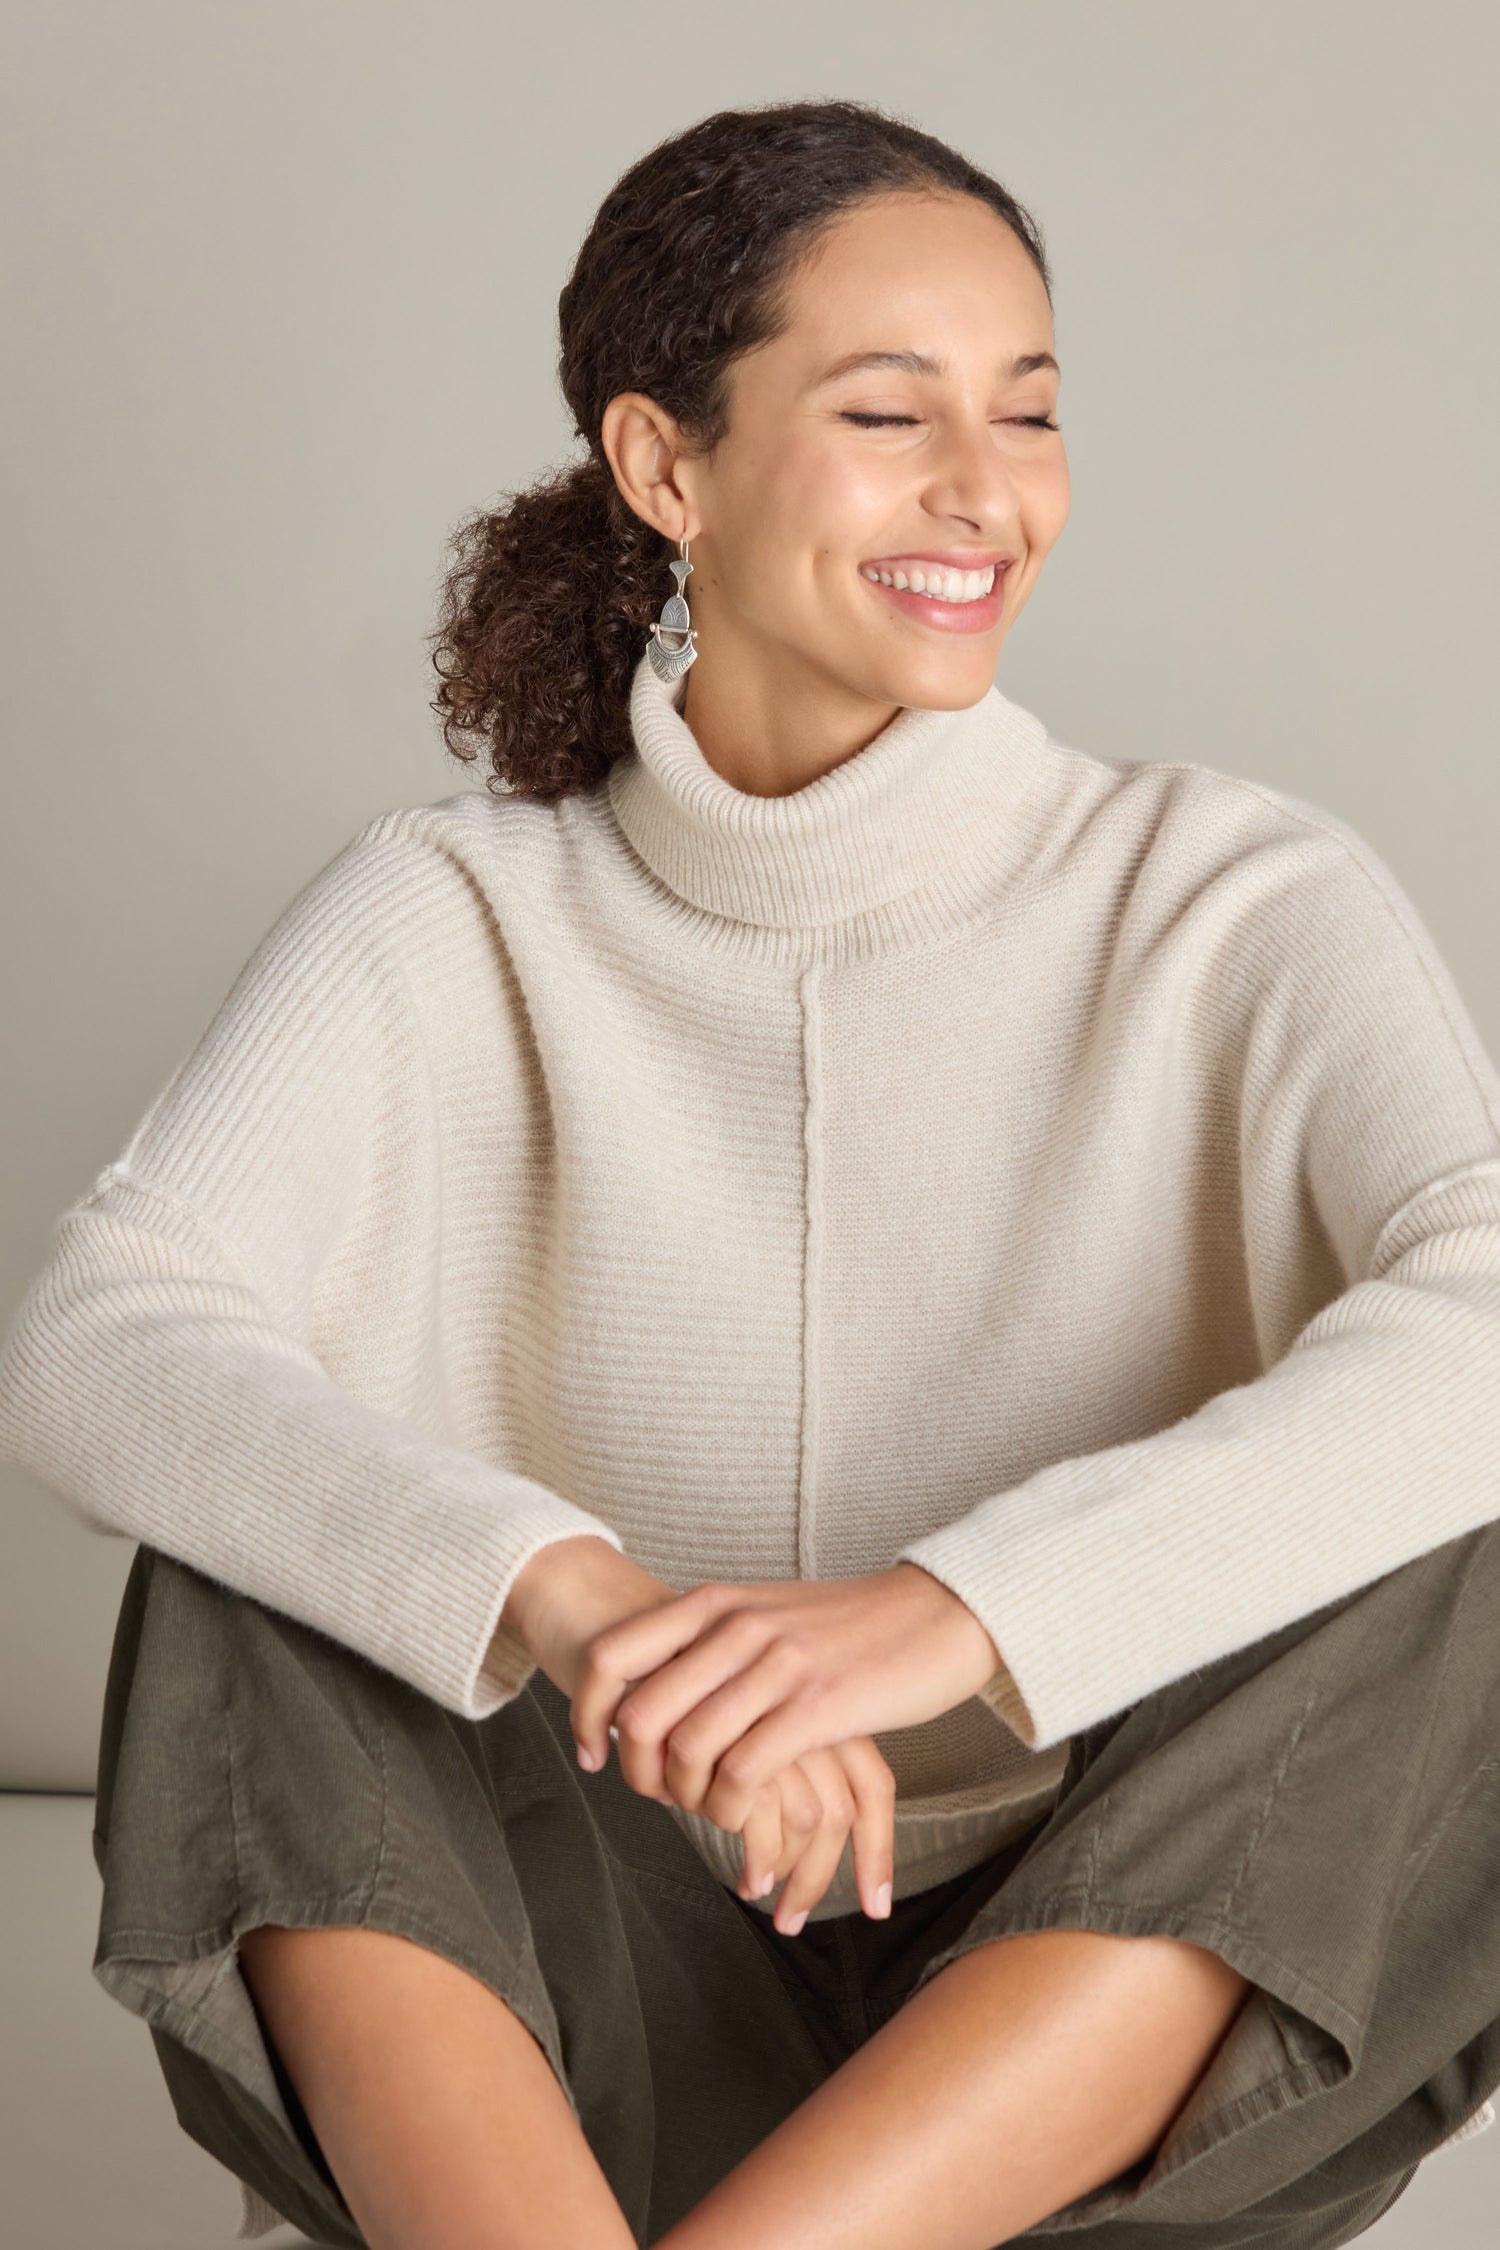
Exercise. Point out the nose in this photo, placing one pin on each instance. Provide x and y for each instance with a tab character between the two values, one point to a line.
971	480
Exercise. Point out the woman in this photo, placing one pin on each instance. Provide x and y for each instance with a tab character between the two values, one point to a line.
940	1292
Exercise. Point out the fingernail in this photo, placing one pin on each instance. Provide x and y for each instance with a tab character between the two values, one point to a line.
883	1900
768	1884
586	1757
794	1923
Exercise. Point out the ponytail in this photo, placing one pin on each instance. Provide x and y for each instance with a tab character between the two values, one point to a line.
546	606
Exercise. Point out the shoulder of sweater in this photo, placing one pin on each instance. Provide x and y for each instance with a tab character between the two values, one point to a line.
413	868
1191	825
1247	884
473	830
1184	799
1262	888
380	937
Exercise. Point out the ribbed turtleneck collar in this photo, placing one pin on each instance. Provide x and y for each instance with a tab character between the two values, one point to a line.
932	796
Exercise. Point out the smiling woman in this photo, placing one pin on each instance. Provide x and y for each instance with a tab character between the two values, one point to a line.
919	1305
817	344
935	476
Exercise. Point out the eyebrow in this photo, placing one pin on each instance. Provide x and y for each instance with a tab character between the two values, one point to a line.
917	363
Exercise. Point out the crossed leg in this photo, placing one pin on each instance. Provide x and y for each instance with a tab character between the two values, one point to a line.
1024	2073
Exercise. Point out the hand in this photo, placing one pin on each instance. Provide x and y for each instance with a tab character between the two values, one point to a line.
796	1829
794	1832
714	1693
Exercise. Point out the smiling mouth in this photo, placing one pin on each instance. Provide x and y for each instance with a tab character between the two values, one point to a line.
936	580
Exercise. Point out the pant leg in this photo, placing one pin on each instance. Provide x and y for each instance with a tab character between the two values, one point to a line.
252	1770
1322	1810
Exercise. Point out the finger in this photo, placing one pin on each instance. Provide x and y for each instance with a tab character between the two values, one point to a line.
818	1862
626	1652
796	1719
761	1844
754	1680
672	1725
874	1788
801	1814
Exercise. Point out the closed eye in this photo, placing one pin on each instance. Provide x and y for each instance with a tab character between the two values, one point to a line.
881	421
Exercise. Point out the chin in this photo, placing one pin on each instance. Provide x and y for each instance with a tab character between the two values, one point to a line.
947	681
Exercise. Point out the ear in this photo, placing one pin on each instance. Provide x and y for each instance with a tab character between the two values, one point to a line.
646	452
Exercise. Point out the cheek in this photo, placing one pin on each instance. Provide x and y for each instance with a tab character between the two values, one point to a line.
800	512
853	501
1045	505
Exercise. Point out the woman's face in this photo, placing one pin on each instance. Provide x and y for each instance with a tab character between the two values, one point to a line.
936	460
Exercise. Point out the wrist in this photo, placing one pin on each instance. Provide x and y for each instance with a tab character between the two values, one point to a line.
560	1560
985	1658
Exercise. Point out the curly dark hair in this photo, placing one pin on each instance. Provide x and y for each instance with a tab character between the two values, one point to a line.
549	595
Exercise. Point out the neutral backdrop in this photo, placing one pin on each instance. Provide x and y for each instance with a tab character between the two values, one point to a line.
282	281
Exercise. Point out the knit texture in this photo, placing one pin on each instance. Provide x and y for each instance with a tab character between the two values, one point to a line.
1077	1176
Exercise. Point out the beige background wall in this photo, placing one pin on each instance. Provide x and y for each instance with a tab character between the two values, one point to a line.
285	276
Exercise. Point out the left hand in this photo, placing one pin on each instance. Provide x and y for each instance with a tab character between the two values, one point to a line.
716	1692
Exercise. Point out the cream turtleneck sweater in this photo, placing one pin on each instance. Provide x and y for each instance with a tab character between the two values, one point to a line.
1076	1175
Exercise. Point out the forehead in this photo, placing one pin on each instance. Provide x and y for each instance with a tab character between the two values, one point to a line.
924	271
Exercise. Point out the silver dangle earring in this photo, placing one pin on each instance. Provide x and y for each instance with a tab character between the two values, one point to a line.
670	647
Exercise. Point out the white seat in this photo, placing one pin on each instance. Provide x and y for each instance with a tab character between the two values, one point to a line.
91	2153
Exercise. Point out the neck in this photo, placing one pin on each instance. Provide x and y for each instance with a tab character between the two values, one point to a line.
770	728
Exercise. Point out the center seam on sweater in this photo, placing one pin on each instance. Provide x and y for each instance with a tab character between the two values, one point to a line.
812	1263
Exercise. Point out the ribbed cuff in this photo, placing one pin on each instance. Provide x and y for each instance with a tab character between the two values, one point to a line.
1005	1699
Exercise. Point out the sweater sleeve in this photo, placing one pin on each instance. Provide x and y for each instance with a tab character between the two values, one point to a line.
160	1374
1369	1147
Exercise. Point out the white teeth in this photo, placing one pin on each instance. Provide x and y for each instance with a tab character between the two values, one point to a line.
936	582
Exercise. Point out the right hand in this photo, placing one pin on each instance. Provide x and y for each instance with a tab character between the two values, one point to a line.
795	1831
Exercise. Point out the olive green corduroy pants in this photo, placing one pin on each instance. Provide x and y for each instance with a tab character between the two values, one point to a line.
1321	1809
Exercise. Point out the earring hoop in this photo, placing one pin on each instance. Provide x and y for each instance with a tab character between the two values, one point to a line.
670	647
